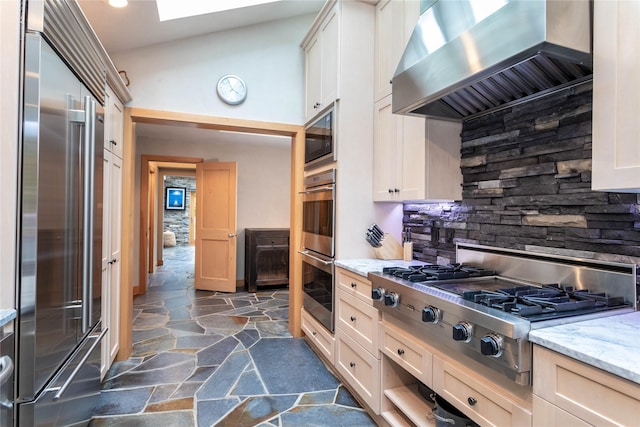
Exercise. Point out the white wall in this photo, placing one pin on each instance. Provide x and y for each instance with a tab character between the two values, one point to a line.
9	44
181	76
264	174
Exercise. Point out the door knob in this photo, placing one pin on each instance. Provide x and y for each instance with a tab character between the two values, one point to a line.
231	235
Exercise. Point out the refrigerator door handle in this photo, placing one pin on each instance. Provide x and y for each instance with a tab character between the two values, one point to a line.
6	371
89	179
62	389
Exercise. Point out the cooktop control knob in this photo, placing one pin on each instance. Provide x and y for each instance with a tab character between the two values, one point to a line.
377	294
431	314
391	299
491	345
462	331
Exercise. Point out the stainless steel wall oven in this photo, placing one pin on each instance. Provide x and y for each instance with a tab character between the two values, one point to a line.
320	140
318	226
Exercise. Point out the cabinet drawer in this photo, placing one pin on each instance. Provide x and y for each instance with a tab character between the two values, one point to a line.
485	403
322	339
272	241
354	284
360	369
545	414
594	396
358	319
414	357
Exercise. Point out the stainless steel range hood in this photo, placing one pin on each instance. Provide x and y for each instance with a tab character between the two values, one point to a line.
466	57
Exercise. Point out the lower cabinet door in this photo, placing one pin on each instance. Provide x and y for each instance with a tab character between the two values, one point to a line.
485	403
360	369
358	319
595	396
320	338
545	414
412	356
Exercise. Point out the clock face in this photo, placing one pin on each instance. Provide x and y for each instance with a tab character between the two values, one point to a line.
232	89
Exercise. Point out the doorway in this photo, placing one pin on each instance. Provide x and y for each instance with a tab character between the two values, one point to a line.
132	188
150	213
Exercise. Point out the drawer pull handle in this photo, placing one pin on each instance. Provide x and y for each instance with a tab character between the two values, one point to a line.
472	400
353	284
353	318
400	352
352	364
314	333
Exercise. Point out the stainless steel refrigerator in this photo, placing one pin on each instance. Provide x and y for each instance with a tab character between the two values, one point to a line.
59	328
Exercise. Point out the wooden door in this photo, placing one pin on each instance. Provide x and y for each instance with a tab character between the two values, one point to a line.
215	261
192	217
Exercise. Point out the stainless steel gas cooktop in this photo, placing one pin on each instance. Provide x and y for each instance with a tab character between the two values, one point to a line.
485	306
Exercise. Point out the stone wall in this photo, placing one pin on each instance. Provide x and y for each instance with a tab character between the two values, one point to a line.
177	221
527	185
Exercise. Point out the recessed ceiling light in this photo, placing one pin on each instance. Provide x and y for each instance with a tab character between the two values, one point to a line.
172	9
118	3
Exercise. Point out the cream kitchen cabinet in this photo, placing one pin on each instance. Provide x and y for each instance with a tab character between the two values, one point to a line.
354	284
112	229
414	158
395	20
350	77
114	118
357	356
321	49
405	361
320	338
569	392
359	368
616	103
485	403
410	354
358	319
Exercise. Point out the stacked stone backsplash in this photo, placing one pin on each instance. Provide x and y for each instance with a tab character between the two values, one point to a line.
177	221
527	185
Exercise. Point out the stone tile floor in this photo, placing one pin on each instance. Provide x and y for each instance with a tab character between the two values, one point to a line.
214	359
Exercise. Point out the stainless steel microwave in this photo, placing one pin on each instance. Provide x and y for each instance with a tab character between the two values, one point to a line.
320	140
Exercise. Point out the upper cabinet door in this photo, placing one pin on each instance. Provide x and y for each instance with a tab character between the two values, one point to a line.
395	20
114	113
616	96
322	65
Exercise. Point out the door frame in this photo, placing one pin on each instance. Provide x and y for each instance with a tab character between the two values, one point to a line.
129	278
147	206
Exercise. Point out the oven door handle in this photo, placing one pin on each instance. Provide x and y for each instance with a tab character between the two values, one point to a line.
316	190
306	253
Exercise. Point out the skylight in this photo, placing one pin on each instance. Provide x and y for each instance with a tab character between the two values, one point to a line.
174	9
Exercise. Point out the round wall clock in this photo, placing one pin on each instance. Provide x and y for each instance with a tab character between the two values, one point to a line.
232	89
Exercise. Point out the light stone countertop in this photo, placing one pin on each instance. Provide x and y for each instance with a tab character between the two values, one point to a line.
6	315
609	343
366	265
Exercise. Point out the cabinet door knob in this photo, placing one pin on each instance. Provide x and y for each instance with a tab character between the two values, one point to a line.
352	364
391	191
400	352
231	235
353	318
353	284
472	400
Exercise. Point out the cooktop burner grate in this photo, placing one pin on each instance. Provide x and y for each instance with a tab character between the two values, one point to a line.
430	272
542	303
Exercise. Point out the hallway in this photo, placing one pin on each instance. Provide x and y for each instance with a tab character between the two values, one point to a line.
204	359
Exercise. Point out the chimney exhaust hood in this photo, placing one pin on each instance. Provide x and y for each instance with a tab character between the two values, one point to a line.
467	57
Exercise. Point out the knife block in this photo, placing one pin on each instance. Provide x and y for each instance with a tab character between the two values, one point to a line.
390	248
